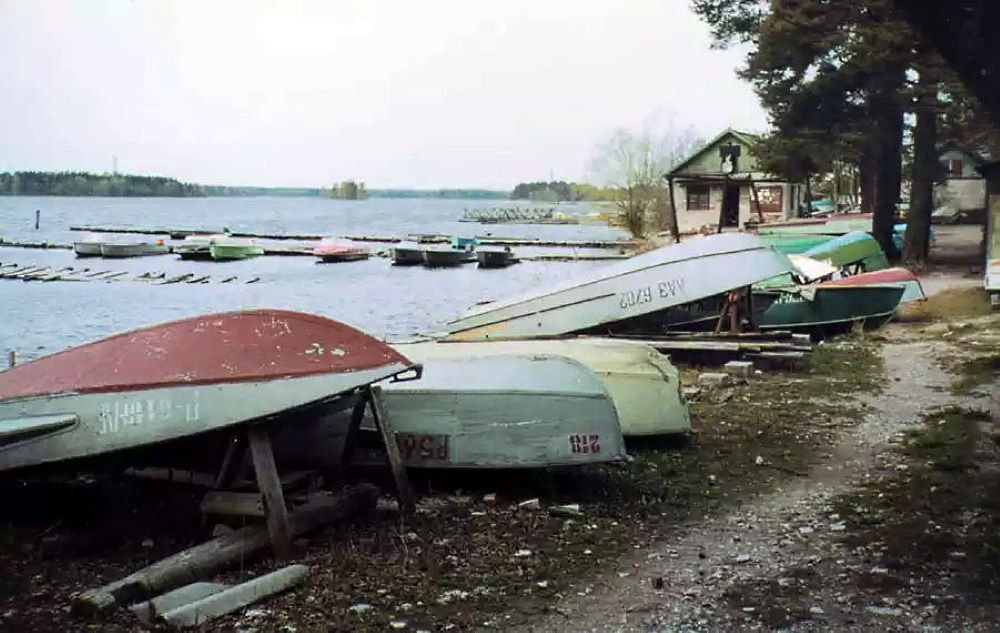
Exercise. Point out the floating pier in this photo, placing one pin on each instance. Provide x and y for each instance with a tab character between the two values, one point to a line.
32	272
517	215
388	239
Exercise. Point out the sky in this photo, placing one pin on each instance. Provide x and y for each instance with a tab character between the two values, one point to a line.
395	93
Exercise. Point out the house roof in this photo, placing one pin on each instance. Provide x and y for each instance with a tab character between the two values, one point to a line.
976	157
746	138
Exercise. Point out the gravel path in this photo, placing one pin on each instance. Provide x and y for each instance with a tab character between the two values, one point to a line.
686	581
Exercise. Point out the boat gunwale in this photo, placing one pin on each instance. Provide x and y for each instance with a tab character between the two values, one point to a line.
261	312
469	315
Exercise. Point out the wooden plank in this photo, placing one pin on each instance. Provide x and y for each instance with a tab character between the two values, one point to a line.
270	488
11	358
249	504
351	439
232	461
403	491
174	475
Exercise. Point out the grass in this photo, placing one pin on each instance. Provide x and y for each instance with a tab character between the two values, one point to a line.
974	372
942	512
950	305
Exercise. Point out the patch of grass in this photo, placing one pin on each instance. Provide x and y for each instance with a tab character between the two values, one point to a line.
949	305
975	372
939	515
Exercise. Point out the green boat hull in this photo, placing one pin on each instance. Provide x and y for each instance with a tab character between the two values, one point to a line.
792	244
230	252
828	308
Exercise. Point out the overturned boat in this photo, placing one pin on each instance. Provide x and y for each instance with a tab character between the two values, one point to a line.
511	411
504	412
179	379
912	290
644	386
664	278
854	252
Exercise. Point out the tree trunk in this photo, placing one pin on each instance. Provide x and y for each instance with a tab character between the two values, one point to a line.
887	117
916	243
866	177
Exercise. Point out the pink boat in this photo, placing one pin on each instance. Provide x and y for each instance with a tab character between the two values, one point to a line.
180	379
331	250
887	277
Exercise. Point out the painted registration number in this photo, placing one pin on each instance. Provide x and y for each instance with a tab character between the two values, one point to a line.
419	447
585	444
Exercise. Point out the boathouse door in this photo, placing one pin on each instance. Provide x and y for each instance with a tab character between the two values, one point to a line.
731	205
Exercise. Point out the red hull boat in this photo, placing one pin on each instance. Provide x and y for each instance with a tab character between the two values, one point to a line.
179	379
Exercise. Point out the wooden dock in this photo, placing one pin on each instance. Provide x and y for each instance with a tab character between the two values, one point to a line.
32	272
388	239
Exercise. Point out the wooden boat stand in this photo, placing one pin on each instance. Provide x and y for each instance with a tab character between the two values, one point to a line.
269	501
737	312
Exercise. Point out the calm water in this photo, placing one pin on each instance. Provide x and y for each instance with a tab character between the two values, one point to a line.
388	302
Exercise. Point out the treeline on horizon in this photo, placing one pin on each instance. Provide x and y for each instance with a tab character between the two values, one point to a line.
560	191
79	183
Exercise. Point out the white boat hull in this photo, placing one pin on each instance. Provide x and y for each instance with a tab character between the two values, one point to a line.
664	278
120	420
644	386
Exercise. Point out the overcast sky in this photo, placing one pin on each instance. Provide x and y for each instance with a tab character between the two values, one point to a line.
397	93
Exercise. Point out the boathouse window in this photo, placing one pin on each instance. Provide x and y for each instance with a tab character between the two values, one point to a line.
697	197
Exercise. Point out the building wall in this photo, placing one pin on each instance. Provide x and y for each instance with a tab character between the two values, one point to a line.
992	277
964	194
708	162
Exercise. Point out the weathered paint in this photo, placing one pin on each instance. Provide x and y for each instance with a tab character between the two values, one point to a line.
913	291
849	249
251	345
660	279
818	306
643	384
504	412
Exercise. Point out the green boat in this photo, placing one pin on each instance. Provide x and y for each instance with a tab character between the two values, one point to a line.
794	244
825	309
230	250
855	252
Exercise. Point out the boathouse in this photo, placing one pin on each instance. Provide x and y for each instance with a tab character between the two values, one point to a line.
964	188
721	182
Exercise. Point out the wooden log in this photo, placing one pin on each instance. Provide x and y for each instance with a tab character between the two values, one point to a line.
249	504
228	600
232	461
270	488
403	491
173	475
150	610
220	553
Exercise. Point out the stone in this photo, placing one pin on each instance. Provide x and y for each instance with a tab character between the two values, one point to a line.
815	610
710	379
738	368
530	504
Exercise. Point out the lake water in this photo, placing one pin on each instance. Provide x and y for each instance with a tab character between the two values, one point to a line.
389	302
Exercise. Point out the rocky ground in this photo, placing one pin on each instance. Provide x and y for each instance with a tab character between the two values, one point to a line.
860	493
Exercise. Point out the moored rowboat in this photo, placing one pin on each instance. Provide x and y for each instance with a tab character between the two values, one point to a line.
332	251
407	254
232	250
87	249
140	249
440	257
180	379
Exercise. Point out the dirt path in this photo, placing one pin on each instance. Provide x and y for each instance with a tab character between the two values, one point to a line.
713	575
